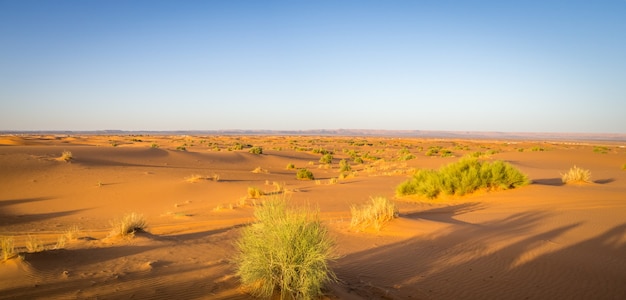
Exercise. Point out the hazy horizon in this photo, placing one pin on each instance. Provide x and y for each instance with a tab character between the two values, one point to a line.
491	66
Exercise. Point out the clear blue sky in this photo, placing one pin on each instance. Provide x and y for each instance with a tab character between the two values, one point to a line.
545	66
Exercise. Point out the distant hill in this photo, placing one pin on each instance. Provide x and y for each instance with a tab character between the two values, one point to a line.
358	132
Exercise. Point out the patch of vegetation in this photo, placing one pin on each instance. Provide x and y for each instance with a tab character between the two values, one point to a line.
462	177
358	160
601	149
326	158
285	251
374	214
537	149
254	193
291	166
576	175
304	174
34	244
433	150
321	151
66	156
344	166
7	248
404	155
260	170
181	148
128	225
154	145
624	167
256	150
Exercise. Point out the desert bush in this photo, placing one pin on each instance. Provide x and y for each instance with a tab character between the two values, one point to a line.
128	225
256	150
66	156
304	174
290	166
462	177
284	251
375	214
576	175
181	148
326	158
624	167
254	193
154	145
7	247
601	149
344	166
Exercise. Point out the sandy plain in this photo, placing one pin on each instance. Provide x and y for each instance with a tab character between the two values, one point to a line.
546	240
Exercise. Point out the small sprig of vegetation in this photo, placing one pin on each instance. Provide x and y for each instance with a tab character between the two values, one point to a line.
291	166
576	175
463	177
375	214
181	148
7	247
254	193
128	225
259	170
286	251
304	174
154	146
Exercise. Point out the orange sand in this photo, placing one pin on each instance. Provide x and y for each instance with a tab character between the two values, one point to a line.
543	241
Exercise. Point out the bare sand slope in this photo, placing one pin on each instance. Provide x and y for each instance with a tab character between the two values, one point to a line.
543	241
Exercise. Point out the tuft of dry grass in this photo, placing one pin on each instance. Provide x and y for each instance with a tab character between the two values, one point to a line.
576	175
128	225
260	170
374	214
7	247
34	244
195	178
66	156
254	193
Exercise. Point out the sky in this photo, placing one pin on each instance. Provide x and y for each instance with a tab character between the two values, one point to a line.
513	66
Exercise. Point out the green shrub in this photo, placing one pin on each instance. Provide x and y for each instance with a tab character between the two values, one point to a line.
326	158
344	166
601	149
256	150
463	177
358	160
624	167
66	156
285	251
375	214
304	174
128	225
181	148
576	175
290	166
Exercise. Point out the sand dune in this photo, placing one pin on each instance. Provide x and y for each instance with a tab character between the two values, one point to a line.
547	240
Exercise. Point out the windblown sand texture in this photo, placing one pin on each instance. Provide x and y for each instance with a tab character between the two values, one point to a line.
547	240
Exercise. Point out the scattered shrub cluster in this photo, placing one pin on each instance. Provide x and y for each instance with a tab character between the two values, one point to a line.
344	166
326	158
463	177
285	251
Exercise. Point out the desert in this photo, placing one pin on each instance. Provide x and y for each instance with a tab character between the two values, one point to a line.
61	194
